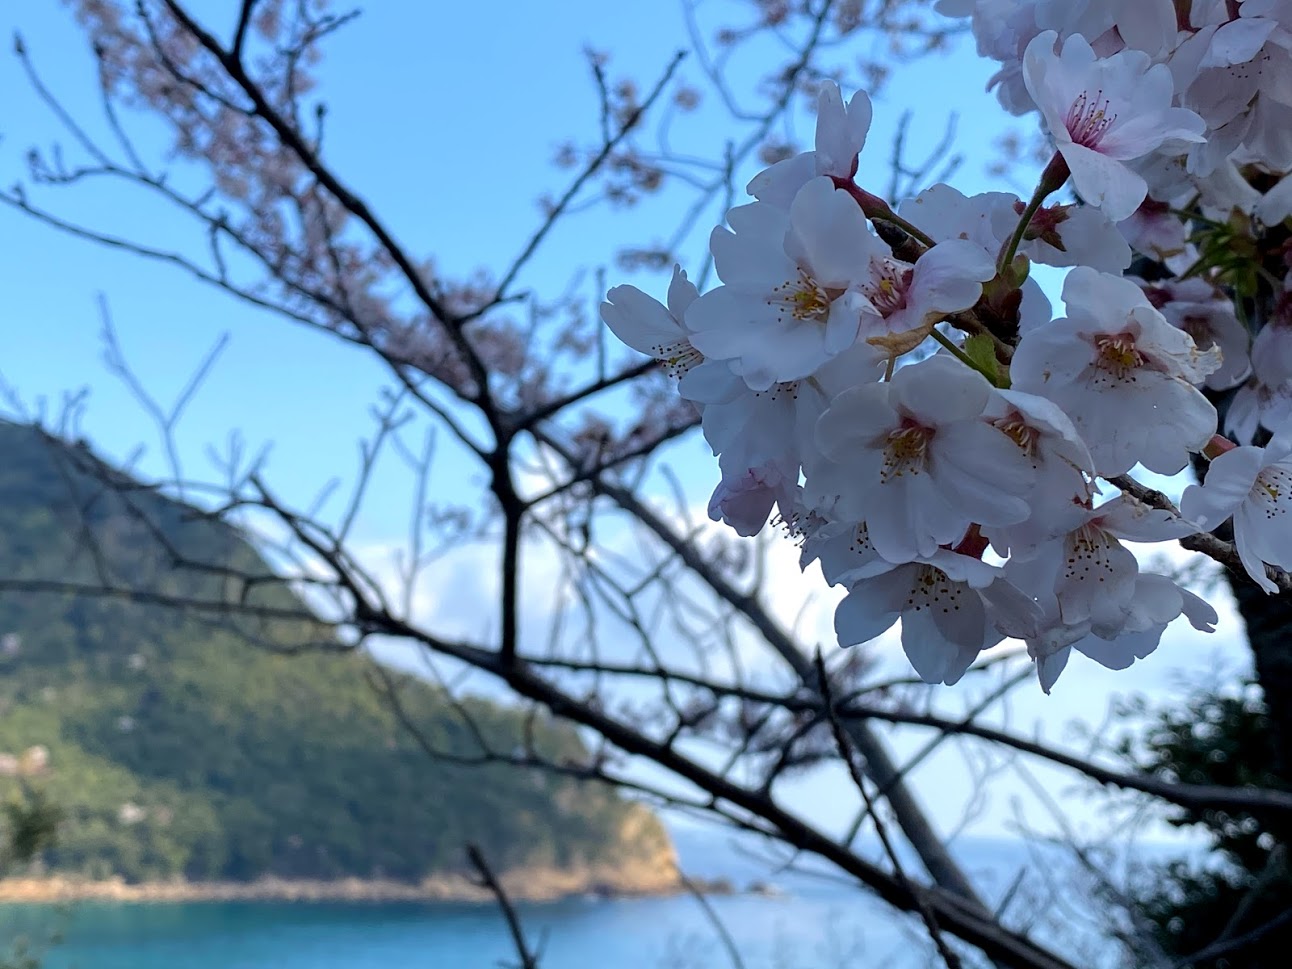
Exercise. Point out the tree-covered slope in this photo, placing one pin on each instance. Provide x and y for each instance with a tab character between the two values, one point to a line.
177	748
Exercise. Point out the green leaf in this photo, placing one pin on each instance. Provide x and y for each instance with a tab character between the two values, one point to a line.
982	351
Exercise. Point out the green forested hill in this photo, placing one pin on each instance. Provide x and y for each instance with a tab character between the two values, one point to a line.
176	748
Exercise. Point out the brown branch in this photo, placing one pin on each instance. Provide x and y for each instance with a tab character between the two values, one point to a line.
292	139
1197	797
240	33
593	166
528	959
909	813
724	935
1216	548
968	920
558	404
844	746
1217	949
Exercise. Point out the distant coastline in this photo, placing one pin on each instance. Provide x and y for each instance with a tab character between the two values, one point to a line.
528	885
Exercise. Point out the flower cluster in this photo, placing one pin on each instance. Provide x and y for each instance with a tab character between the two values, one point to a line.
892	386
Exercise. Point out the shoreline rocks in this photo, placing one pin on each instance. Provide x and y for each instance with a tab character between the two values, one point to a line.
524	885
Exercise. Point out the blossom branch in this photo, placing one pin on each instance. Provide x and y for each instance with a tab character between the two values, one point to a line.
1209	545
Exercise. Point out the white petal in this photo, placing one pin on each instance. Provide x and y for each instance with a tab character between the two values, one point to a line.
940	389
1120	653
640	321
1237	42
1105	182
1228	482
872	606
1049	667
840	132
831	234
778	185
681	293
935	658
983	472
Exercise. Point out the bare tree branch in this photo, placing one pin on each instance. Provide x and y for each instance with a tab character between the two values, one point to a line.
528	958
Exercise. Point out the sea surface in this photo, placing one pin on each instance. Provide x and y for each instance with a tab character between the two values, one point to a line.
814	924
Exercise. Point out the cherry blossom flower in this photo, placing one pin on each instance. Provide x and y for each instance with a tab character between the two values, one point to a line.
844	550
840	136
904	301
753	431
789	303
952	607
746	502
1104	112
1276	204
1092	596
1122	373
914	457
1071	235
1058	235
1265	400
1156	602
641	322
944	214
1088	573
897	479
1207	315
1258	405
1004	28
1236	72
1061	495
1153	230
1253	486
760	437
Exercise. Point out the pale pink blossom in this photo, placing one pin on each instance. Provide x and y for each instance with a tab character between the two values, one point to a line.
841	131
1104	112
658	331
789	300
951	606
915	459
1252	485
1207	315
1122	373
901	298
1265	400
1157	601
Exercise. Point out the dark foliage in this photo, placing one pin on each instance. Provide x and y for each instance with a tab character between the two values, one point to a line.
1234	908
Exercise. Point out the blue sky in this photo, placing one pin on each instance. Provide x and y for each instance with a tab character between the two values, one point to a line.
451	142
446	118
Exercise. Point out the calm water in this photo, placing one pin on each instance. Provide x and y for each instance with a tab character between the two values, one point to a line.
815	925
652	934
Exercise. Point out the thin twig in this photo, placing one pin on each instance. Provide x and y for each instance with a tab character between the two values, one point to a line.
721	930
528	958
846	752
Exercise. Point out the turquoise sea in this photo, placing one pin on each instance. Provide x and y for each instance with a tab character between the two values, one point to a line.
815	924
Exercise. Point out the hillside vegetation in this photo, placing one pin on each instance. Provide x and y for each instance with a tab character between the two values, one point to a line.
176	749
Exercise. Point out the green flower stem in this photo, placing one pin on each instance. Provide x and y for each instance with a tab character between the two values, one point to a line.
964	358
1052	179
